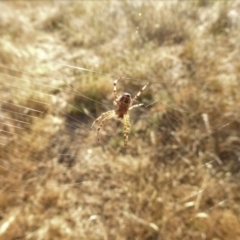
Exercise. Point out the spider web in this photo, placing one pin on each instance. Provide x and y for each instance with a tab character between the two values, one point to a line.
57	180
68	144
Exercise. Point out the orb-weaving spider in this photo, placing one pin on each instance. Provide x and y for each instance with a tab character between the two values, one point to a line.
123	103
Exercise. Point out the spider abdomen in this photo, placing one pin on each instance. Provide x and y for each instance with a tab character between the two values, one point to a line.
123	104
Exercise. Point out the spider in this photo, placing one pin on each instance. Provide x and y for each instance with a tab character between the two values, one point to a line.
124	104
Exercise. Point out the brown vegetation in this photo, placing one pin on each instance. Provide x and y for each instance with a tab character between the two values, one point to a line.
179	176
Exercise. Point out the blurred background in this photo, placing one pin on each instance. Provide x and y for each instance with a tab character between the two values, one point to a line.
179	176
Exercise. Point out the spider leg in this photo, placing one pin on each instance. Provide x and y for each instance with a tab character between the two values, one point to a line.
96	121
115	89
136	105
105	116
139	93
126	128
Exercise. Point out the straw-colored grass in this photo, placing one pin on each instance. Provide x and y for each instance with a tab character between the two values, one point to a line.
179	176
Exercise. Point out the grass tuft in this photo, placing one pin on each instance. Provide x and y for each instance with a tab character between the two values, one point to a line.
179	176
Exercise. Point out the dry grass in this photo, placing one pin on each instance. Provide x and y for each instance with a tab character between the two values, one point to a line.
179	176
